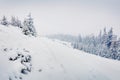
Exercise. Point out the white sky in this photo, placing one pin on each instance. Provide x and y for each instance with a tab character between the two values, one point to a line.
66	16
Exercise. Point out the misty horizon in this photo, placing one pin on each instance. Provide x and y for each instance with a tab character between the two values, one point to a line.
66	17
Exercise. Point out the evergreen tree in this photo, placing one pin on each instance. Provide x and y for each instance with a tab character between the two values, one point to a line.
4	21
16	22
109	38
118	51
99	38
13	21
104	37
28	28
114	50
79	38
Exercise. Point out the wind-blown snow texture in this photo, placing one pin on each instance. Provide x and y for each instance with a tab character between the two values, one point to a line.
39	58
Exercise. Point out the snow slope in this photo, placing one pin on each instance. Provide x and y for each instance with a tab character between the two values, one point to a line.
50	60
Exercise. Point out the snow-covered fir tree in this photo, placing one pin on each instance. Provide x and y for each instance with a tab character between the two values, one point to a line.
15	22
109	38
4	21
104	37
28	27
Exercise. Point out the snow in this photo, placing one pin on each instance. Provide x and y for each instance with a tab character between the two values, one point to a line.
51	59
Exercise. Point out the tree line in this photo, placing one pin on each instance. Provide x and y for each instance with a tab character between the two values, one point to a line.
106	44
26	26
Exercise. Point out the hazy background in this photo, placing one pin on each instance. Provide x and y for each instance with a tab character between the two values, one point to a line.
66	16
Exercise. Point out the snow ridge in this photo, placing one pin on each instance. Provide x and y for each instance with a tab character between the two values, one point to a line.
39	58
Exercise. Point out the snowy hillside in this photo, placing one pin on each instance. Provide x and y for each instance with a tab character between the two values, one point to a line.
40	58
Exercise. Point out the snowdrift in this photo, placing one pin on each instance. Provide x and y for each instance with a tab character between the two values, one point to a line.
39	58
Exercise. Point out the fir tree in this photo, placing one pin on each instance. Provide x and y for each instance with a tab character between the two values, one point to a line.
4	21
109	38
28	28
104	37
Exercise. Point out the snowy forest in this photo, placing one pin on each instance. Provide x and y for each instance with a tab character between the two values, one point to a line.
106	44
59	39
26	26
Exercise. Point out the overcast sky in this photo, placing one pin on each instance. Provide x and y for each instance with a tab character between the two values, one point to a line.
66	16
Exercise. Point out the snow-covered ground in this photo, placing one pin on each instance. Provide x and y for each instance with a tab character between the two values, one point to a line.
49	60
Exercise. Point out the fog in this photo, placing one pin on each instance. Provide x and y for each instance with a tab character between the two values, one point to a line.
68	17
